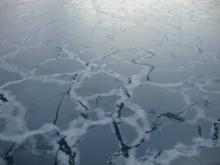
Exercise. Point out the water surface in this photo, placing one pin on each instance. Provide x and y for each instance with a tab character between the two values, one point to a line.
120	82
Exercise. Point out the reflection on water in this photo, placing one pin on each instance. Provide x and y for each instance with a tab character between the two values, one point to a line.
119	82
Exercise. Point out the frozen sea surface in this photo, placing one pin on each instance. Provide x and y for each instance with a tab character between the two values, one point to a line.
109	82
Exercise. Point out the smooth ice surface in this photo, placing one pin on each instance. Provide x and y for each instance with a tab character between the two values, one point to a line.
120	82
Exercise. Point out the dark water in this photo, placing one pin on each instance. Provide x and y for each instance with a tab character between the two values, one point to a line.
120	82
